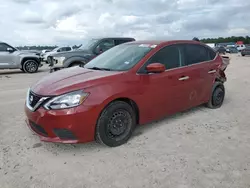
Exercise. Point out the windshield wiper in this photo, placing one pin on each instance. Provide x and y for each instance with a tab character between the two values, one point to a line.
98	68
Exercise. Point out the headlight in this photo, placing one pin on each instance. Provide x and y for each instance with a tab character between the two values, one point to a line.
68	100
59	59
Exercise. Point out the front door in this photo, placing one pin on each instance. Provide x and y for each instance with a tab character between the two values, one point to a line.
6	57
167	92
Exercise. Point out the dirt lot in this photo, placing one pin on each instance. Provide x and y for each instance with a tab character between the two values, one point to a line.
200	148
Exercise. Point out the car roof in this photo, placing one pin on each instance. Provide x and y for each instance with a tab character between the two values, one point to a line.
127	38
163	42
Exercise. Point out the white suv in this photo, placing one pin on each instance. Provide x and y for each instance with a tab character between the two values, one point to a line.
44	56
240	47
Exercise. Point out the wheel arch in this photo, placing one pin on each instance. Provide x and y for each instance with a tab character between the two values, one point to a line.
29	58
74	59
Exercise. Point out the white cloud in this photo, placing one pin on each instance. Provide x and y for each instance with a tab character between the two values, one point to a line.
72	21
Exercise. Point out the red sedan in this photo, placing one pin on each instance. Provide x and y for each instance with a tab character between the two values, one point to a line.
131	84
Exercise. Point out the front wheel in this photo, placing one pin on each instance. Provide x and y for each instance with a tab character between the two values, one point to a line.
30	66
77	64
115	124
217	97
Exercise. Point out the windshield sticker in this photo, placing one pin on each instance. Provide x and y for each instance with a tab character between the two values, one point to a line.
144	45
148	45
126	62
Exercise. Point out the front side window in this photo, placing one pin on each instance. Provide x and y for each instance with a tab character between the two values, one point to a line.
3	47
169	56
89	44
105	45
120	58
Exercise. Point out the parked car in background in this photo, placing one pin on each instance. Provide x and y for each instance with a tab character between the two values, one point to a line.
85	53
245	51
44	56
12	58
240	47
231	49
130	84
45	51
220	49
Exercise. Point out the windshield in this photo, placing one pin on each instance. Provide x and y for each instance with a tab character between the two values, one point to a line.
88	45
120	58
55	49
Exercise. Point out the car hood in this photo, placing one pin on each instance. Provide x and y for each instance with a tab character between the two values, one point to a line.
72	53
24	54
68	80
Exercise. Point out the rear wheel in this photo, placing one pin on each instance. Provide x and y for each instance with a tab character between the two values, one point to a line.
115	124
217	97
243	54
30	66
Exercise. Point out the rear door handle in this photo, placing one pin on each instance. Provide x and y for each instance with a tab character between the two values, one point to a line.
184	78
212	71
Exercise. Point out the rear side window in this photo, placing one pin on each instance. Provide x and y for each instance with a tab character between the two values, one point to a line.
212	54
195	53
67	49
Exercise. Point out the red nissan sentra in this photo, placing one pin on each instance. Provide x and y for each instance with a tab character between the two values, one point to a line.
131	84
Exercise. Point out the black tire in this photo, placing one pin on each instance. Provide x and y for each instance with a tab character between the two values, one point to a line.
22	69
115	124
77	64
243	54
217	96
30	66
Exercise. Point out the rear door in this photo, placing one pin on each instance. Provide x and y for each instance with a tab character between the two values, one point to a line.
201	68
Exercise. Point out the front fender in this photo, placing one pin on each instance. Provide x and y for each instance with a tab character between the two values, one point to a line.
67	62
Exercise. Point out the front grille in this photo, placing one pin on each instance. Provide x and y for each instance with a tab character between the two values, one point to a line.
38	129
64	134
33	99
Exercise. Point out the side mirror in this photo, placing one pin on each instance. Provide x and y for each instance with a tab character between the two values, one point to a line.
98	50
10	50
155	68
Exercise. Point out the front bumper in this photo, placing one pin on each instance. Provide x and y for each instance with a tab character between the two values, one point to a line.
54	64
75	125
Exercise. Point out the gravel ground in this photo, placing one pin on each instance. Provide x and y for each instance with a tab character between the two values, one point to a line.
200	148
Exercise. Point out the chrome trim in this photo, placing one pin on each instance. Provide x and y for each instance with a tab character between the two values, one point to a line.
37	104
212	71
184	78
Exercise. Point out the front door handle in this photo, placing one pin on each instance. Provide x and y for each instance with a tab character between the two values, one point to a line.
184	78
212	71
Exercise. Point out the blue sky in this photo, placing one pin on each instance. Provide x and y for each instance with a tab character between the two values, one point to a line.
62	22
